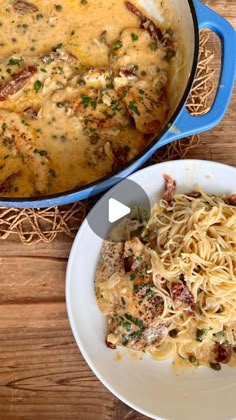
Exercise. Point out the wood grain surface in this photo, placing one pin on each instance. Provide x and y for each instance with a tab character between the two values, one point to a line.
42	373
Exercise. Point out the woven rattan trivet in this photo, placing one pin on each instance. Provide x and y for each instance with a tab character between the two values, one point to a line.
35	225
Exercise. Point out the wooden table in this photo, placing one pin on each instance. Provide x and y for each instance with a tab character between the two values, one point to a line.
42	373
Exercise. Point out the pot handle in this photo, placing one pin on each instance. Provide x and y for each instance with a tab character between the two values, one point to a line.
186	124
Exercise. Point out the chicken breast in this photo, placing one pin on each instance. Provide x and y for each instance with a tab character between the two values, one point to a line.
140	66
148	106
127	296
18	139
110	272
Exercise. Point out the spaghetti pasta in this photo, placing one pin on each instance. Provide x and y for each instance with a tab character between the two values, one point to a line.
177	281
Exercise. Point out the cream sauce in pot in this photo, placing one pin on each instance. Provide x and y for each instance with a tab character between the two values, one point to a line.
83	89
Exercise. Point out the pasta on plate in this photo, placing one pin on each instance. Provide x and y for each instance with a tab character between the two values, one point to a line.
170	288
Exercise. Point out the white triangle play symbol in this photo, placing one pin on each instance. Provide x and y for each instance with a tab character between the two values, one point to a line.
116	210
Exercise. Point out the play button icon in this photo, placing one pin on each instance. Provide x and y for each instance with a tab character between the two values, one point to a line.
117	210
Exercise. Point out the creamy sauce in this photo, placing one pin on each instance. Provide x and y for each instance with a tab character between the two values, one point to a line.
76	118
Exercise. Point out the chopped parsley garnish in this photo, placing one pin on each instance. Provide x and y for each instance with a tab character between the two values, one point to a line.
43	70
151	293
134	36
132	276
41	152
147	287
136	288
141	91
125	341
123	300
134	320
133	107
110	86
118	44
24	122
15	61
127	326
86	100
37	85
139	258
115	106
135	335
57	47
201	334
4	127
93	104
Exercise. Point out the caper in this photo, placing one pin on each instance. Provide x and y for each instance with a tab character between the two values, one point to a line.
193	360
170	53
94	138
173	333
60	104
215	366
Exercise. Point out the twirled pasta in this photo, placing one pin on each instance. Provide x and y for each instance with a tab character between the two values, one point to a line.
196	239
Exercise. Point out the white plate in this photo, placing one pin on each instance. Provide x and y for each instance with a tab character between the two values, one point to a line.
151	387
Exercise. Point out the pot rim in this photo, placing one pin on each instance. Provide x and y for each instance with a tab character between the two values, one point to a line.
44	201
